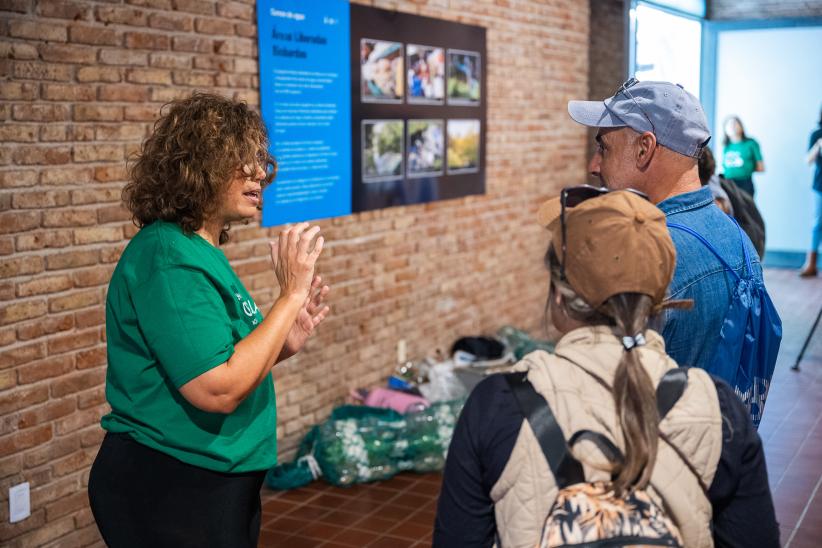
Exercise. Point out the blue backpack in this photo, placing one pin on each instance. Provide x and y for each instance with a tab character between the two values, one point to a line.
745	356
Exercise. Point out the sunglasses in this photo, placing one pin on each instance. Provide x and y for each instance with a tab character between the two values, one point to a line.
572	196
624	90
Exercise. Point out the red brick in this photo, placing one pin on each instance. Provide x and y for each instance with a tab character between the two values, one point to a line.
91	277
18	91
22	354
78	460
71	259
63	9
89	318
35	30
98	74
33	522
72	341
92	437
214	26
235	10
148	76
18	178
62	53
96	396
47	412
234	46
22	440
159	4
195	79
105	174
17	221
123	57
38	70
127	93
203	7
43	286
63	92
18	50
74	301
147	40
52	133
97	113
121	15
46	326
40	113
246	30
97	234
78	420
18	266
111	254
94	35
98	153
69	218
168	21
20	6
40	199
170	60
49	532
8	379
67	175
221	64
44	369
39	155
141	113
88	359
18	133
190	43
42	239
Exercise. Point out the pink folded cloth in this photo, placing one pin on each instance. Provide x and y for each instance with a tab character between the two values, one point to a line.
393	399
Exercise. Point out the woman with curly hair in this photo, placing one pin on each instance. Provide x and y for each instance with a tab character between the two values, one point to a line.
192	427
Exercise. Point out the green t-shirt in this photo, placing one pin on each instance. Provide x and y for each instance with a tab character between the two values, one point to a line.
175	310
739	159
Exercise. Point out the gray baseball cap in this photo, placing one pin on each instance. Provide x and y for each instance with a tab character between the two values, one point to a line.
672	114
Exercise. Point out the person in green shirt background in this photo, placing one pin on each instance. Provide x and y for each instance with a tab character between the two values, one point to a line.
741	156
192	427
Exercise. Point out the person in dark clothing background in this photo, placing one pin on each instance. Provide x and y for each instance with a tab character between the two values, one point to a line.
733	201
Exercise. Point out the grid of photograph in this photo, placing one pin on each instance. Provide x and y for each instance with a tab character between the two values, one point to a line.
382	150
391	71
463	146
426	148
381	71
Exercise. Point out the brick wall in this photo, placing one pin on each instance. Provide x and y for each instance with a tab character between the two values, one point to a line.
608	53
80	85
763	9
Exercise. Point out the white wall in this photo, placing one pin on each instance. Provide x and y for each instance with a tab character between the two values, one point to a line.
772	79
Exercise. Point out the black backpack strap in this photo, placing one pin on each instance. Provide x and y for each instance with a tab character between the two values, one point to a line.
670	388
566	469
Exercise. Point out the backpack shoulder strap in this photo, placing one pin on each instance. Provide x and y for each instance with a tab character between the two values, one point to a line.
670	388
712	249
566	469
707	244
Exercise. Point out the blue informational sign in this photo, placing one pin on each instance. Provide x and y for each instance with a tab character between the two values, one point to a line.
305	95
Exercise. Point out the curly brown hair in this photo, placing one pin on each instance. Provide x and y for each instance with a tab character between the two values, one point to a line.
186	165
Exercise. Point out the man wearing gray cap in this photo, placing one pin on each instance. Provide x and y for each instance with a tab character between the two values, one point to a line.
650	135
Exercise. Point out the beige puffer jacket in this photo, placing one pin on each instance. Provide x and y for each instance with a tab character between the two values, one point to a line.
691	433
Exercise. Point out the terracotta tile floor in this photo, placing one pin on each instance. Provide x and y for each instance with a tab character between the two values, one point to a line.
399	513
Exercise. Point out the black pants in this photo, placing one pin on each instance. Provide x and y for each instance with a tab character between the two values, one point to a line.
144	498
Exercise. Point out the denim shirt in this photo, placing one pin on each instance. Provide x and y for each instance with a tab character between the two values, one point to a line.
692	335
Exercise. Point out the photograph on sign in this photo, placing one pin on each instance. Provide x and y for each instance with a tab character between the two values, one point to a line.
382	150
426	148
464	83
426	74
463	146
381	71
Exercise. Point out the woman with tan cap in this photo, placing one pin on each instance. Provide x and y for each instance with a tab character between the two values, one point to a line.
608	419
